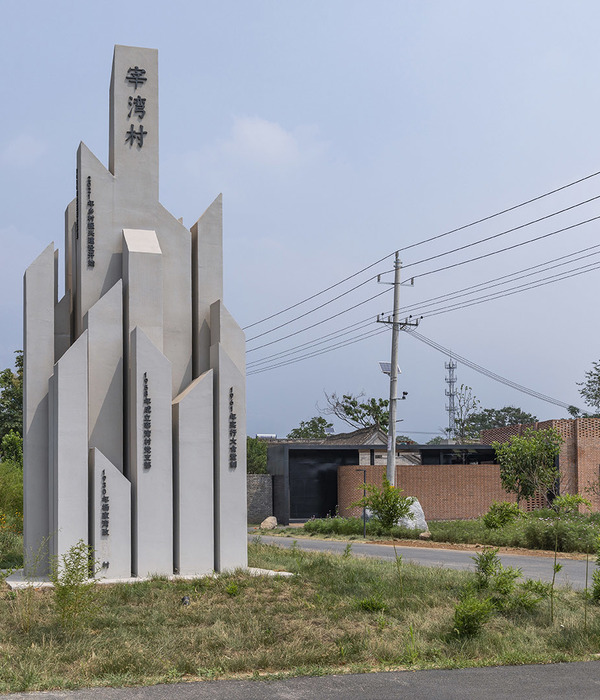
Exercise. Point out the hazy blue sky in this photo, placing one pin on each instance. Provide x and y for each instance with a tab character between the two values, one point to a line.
338	131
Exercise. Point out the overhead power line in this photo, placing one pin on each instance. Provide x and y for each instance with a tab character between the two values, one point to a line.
502	233
423	242
486	372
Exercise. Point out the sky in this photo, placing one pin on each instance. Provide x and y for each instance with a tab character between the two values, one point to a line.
339	132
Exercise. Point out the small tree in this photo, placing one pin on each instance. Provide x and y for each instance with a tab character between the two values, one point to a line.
316	427
356	412
528	462
11	398
466	406
386	503
590	389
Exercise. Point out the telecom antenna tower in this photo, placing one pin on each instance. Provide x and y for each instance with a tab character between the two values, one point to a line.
451	394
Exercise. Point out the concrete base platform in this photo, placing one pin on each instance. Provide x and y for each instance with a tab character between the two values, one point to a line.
17	580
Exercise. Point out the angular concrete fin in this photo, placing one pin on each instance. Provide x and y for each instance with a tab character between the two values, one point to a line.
38	346
106	417
62	326
207	279
225	330
70	240
69	449
98	242
176	245
110	517
150	457
143	284
193	478
207	241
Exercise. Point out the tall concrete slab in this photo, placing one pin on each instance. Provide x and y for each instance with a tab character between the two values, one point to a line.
207	279
193	478
68	454
38	345
110	518
104	323
150	457
231	547
133	136
227	359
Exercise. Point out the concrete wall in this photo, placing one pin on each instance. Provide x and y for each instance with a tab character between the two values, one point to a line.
259	496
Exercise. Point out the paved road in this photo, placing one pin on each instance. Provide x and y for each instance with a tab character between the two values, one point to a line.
578	680
536	567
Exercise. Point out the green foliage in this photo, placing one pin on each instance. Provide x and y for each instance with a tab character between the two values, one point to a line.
10	543
11	494
487	564
11	448
568	504
313	428
359	414
490	418
590	389
500	514
470	615
373	603
232	589
256	456
596	585
74	590
528	461
11	398
386	503
353	527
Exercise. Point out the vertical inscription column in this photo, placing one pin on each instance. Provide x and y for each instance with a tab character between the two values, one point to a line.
133	142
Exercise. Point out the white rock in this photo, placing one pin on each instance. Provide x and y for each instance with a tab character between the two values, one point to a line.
269	523
417	522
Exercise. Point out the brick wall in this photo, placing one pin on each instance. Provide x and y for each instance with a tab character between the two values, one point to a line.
579	458
445	491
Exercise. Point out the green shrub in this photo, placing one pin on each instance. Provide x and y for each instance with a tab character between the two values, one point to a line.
387	504
500	514
487	565
470	615
74	590
596	585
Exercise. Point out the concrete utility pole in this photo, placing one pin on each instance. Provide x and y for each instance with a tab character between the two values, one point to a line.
391	446
394	321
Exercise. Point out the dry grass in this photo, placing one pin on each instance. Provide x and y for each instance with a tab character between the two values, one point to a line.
238	625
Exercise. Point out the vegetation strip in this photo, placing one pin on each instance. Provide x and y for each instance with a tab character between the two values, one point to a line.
337	613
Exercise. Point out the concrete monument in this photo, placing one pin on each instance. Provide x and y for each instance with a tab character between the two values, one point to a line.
134	381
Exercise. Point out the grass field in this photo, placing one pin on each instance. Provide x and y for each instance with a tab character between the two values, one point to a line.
336	614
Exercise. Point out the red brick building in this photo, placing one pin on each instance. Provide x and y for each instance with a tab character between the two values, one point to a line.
579	459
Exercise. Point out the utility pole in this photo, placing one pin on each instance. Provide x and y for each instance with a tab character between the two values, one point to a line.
394	321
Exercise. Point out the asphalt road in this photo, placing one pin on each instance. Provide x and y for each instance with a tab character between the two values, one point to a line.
536	567
551	682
